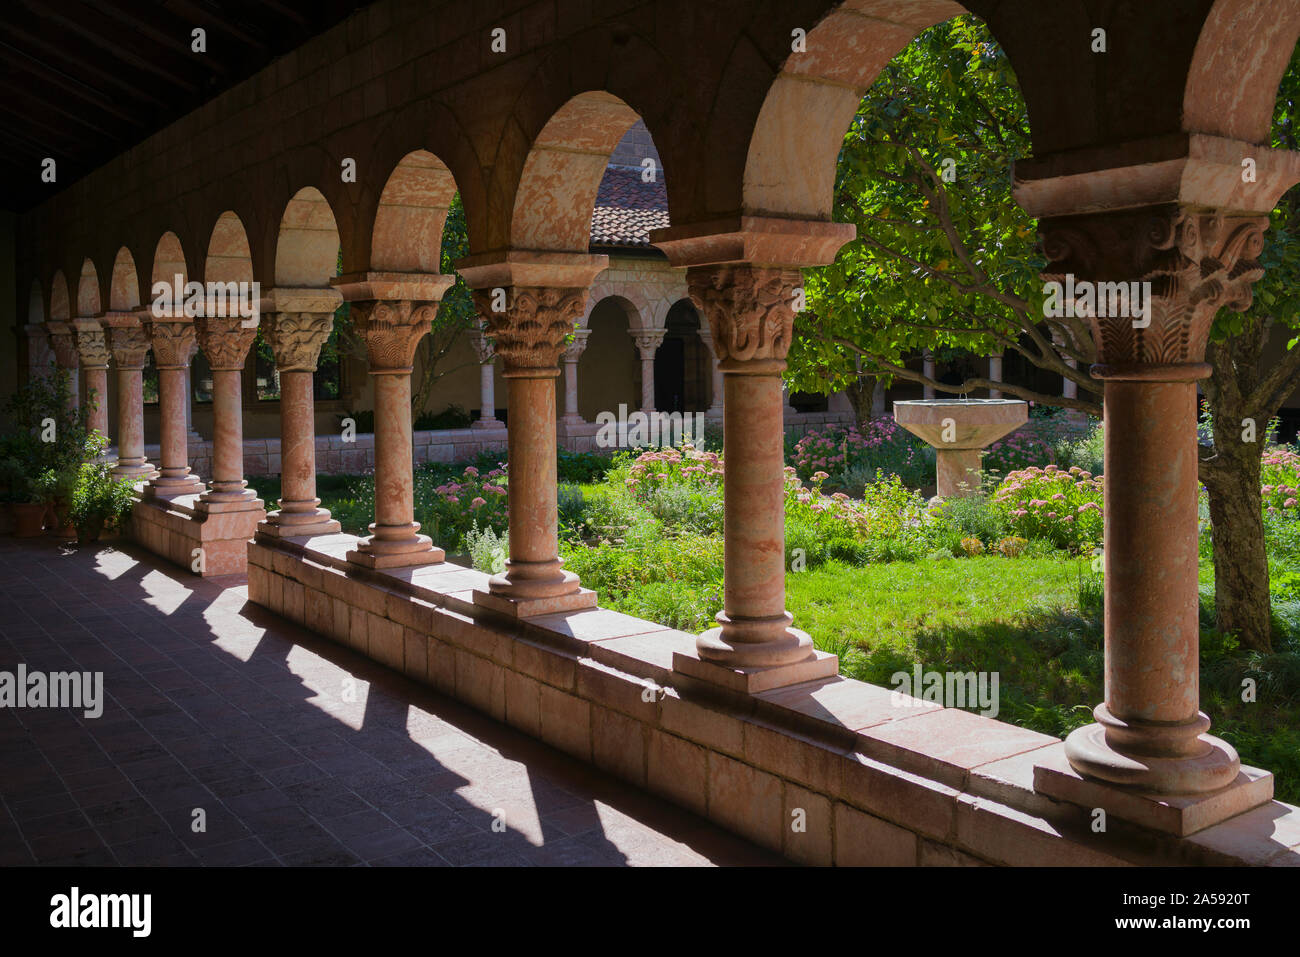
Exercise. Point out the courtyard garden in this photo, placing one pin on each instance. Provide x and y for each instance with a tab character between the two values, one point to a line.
1006	581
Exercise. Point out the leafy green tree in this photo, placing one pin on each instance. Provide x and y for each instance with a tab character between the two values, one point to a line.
945	259
1256	360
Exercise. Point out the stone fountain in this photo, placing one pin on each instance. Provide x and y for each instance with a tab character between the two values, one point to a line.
960	430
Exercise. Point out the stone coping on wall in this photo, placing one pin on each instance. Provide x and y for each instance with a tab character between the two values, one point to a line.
830	771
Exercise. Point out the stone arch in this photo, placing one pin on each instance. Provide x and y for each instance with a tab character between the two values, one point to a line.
124	285
630	298
88	298
412	211
169	261
556	192
307	245
229	257
817	93
60	303
1242	52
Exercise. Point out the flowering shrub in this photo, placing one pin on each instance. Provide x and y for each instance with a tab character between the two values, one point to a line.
1013	546
971	547
1280	481
685	467
449	509
882	444
1061	507
890	522
1019	450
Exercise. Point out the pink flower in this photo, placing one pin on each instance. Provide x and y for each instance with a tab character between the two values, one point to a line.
478	503
1289	503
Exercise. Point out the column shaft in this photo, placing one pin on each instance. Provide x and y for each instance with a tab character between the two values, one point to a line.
227	438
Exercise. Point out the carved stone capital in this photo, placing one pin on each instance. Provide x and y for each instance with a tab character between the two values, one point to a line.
92	346
61	341
648	341
483	347
392	331
129	345
225	341
750	310
1194	262
173	342
574	350
530	330
296	338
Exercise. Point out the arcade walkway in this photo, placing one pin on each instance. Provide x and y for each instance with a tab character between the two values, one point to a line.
297	751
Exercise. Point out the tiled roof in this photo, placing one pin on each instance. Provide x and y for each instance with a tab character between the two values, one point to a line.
627	208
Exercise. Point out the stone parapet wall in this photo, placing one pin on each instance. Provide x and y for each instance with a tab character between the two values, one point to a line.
869	782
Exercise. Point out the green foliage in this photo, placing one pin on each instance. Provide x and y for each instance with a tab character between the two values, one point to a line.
452	417
50	442
583	467
487	550
938	264
1062	507
99	501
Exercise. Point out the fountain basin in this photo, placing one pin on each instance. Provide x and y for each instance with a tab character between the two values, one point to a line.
960	430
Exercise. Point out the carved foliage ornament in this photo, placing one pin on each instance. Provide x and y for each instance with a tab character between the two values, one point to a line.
65	350
392	331
225	341
1196	263
129	346
93	348
530	332
173	342
750	310
296	338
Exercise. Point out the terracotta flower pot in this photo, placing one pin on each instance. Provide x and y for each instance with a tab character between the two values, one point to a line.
61	524
29	519
6	518
90	532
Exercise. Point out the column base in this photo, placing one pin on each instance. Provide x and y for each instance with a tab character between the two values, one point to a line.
492	423
241	498
1190	761
184	530
754	679
170	487
299	524
380	553
1176	814
134	471
528	589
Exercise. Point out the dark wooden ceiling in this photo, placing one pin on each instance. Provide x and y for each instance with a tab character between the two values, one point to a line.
84	80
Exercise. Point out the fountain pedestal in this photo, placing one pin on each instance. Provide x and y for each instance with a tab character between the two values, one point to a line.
960	430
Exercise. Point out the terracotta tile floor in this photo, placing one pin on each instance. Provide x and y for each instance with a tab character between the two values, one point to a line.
296	751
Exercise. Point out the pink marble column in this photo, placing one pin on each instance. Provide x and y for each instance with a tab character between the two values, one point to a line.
225	342
571	356
486	352
172	338
1150	733
529	325
750	310
65	356
296	339
715	401
129	345
647	344
92	348
392	331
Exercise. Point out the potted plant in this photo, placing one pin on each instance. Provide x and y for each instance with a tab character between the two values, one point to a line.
99	502
28	501
55	439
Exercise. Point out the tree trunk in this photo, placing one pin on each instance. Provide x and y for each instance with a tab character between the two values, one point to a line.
1241	599
861	396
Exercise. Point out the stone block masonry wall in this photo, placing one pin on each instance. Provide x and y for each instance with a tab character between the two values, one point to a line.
828	772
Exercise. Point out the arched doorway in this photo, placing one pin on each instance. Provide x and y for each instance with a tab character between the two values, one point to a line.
682	363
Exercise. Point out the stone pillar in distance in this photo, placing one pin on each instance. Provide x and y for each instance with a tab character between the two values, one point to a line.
927	370
647	344
486	353
995	373
225	342
129	345
530	303
172	339
296	331
572	353
92	348
714	411
65	356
